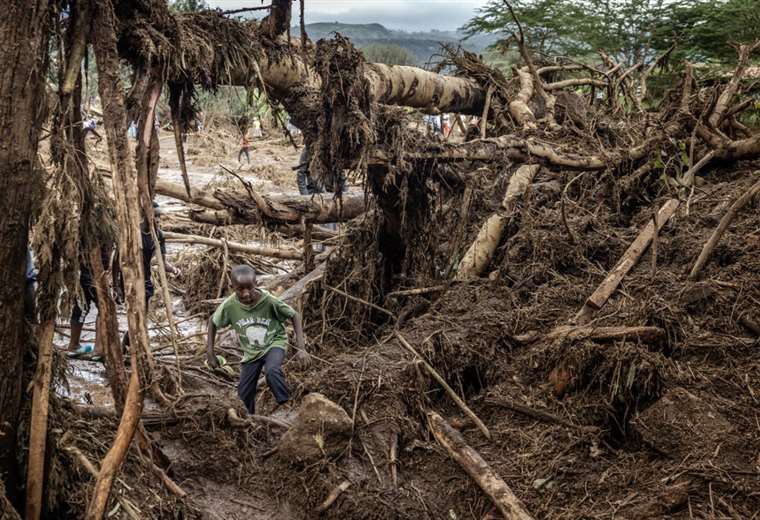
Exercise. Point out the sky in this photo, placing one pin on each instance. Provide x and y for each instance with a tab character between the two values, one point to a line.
407	15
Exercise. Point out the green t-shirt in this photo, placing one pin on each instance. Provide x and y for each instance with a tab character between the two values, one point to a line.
259	327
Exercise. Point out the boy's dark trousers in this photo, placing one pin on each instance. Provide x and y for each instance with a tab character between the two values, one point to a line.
271	362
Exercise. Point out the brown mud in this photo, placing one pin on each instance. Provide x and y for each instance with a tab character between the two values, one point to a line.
634	430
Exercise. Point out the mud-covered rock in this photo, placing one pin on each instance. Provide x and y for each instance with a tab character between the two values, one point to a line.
682	423
320	428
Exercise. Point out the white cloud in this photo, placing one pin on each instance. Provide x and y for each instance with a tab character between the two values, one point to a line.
409	15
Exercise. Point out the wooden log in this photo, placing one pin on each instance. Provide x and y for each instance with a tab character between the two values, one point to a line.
470	460
709	246
600	334
484	246
177	191
630	258
297	289
35	476
242	208
285	253
454	396
227	218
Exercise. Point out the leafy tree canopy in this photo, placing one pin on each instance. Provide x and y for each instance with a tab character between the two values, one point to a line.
632	31
188	6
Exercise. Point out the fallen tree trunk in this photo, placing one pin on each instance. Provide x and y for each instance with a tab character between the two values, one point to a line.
242	208
600	334
285	253
470	460
295	291
484	246
225	218
280	65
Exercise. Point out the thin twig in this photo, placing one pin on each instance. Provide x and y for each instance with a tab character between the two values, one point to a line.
433	372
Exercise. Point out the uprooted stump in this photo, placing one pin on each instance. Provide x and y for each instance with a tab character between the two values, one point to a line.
320	429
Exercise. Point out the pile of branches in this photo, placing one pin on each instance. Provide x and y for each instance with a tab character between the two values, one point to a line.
491	265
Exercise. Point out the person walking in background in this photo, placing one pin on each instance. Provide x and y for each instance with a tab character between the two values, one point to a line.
245	145
90	126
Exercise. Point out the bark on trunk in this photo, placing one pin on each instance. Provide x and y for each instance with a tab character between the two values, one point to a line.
115	456
23	38
130	245
600	334
35	477
108	332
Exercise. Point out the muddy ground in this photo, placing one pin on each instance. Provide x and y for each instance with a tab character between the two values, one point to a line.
629	429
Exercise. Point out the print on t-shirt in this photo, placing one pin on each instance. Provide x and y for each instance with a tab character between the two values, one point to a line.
255	330
256	335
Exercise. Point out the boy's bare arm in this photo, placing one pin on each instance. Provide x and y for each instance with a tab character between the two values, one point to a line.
302	356
210	340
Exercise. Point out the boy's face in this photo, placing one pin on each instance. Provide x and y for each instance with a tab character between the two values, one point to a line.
245	289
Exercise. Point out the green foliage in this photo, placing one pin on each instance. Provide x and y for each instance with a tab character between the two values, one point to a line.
388	54
188	6
631	31
707	27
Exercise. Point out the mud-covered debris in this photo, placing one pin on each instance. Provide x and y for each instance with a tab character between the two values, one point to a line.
683	423
320	429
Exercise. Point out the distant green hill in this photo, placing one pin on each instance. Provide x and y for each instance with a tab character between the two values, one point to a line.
422	45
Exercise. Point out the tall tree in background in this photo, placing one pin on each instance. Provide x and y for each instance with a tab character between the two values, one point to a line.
24	32
632	31
706	26
389	54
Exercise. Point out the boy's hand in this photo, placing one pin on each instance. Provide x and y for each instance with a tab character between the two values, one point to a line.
213	363
302	359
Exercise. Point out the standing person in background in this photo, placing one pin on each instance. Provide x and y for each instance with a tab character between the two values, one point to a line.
148	250
90	126
245	145
446	125
256	129
31	286
79	314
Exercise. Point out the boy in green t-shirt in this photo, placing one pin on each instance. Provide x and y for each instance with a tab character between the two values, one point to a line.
259	319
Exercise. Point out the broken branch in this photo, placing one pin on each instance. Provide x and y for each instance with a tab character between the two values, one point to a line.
470	460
